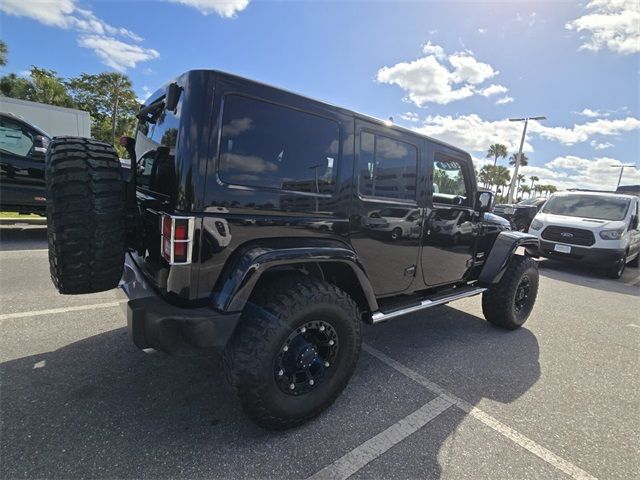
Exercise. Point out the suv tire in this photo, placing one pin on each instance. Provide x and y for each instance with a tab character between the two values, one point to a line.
509	302
269	340
85	215
616	271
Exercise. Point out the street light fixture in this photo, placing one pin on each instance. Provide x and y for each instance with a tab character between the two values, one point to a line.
621	167
512	186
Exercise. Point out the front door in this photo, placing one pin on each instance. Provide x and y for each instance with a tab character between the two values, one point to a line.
450	229
386	220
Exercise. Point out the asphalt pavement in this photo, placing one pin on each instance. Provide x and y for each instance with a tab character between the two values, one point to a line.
438	394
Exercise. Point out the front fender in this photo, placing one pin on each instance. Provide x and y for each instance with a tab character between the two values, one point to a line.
243	274
503	249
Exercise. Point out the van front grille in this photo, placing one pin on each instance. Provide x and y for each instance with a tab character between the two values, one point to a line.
572	236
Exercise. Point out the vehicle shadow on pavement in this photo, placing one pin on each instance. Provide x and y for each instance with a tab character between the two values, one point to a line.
101	408
21	237
587	276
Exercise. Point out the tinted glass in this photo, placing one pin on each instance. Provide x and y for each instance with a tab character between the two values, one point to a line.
588	206
15	139
155	149
387	167
448	181
266	145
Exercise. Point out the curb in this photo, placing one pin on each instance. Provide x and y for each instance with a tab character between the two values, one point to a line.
22	221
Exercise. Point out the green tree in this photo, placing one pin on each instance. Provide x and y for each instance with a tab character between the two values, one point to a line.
42	85
110	100
497	150
3	53
524	161
525	189
501	176
533	179
520	178
484	175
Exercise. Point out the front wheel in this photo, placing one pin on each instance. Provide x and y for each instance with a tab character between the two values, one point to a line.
294	351
509	302
616	271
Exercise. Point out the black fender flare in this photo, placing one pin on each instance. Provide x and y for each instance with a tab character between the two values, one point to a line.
503	249
243	274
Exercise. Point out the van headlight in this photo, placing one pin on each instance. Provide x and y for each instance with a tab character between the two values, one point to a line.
536	225
611	234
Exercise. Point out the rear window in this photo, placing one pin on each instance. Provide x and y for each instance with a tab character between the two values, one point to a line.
588	206
271	146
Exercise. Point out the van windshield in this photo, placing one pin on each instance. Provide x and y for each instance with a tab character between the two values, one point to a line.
588	206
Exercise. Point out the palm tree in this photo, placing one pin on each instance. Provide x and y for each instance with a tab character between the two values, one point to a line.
485	175
525	189
497	150
524	160
501	177
552	189
519	179
533	179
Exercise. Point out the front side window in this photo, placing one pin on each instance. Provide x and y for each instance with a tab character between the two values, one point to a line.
388	168
15	139
271	146
448	181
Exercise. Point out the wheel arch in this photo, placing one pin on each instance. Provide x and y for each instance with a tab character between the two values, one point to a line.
336	264
503	250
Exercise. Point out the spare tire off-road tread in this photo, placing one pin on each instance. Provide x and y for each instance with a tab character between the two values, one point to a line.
85	215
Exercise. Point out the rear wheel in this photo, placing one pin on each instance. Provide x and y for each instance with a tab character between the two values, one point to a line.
509	302
294	351
396	233
85	215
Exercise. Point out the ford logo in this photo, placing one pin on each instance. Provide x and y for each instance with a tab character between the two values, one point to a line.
566	234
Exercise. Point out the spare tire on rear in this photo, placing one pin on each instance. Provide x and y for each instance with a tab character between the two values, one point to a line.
85	215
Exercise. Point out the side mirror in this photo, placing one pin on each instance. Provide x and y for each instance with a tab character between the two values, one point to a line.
40	145
172	97
483	201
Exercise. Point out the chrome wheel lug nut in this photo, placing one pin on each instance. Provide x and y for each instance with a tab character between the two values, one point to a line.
281	373
292	386
321	328
285	349
303	329
311	382
331	342
326	364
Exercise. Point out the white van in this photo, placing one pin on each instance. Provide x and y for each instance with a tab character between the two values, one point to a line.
590	227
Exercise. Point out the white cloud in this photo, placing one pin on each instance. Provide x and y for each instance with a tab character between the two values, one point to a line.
430	80
583	132
96	34
410	116
611	24
504	100
115	53
482	31
587	112
470	132
596	173
529	20
224	8
493	89
599	145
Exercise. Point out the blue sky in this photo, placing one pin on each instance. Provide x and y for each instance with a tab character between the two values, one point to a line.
453	70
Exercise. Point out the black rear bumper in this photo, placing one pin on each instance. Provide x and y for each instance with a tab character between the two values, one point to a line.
155	323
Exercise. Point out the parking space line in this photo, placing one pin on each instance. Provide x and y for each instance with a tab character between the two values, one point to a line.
368	451
32	250
551	458
78	308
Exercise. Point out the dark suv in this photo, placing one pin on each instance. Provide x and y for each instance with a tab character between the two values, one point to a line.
247	223
22	151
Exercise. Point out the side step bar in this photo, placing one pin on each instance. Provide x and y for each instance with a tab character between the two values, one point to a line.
379	316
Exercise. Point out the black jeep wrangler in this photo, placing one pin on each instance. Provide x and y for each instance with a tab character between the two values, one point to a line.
246	224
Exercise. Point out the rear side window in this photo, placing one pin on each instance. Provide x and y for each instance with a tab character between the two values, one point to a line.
15	139
388	168
271	146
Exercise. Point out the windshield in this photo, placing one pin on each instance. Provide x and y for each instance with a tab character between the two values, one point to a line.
393	212
529	201
588	206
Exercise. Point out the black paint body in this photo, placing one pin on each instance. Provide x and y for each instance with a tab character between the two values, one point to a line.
328	227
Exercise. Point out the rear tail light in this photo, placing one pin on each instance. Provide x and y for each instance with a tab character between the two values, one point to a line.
177	239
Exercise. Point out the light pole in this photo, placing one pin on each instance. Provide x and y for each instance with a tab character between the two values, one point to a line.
621	167
512	186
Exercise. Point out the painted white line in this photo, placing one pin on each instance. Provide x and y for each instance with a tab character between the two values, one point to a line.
51	311
33	250
633	325
634	282
538	450
360	456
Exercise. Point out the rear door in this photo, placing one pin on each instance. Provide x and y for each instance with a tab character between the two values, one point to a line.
383	227
21	165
